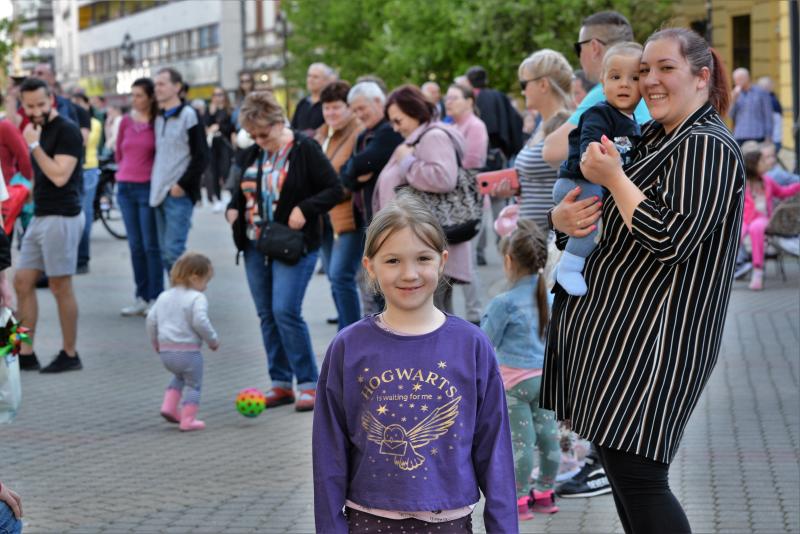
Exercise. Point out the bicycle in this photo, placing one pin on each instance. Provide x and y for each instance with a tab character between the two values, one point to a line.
106	207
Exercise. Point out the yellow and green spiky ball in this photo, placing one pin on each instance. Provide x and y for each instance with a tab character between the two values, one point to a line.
250	402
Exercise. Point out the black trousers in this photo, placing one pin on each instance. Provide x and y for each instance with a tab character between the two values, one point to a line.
640	486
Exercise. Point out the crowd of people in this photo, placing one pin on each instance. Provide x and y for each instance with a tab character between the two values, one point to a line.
625	172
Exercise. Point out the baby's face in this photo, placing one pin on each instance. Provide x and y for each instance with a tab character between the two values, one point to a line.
621	82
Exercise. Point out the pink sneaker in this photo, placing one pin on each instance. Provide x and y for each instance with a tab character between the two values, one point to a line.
523	508
543	502
757	279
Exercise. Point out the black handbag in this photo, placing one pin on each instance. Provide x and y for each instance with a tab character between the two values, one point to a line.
5	250
276	240
459	211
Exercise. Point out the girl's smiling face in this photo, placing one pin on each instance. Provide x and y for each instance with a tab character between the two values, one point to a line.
407	270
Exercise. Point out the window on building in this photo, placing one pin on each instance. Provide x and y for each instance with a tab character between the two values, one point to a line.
213	36
101	12
202	38
741	41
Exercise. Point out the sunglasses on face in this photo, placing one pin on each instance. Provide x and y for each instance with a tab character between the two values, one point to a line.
523	84
579	45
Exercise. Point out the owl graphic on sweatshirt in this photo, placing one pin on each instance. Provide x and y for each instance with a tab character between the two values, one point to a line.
395	441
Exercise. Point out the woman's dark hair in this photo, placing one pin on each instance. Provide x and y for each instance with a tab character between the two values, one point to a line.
527	247
146	85
240	94
699	54
412	102
466	94
227	105
751	161
335	92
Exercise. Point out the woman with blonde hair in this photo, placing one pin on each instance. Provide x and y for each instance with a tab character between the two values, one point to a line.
287	181
545	79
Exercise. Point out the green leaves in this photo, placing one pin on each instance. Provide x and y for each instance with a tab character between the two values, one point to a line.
411	41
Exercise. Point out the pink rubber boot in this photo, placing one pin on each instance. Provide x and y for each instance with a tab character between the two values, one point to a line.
188	422
169	408
523	508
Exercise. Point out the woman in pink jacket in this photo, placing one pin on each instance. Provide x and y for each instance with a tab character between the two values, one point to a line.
759	192
425	161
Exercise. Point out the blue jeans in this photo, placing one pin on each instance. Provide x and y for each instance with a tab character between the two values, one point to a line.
173	221
8	523
342	259
90	179
278	290
579	246
140	224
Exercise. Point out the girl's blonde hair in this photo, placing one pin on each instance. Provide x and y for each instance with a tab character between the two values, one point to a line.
405	211
188	265
527	247
546	63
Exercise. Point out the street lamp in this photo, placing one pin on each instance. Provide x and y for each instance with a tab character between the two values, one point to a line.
281	27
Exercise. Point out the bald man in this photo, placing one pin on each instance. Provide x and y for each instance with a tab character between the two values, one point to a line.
308	113
751	110
433	94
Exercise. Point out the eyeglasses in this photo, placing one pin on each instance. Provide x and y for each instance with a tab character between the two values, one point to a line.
579	45
523	84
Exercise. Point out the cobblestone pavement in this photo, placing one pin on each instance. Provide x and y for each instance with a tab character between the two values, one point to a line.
89	452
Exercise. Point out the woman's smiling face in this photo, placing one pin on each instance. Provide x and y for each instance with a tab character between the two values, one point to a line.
667	84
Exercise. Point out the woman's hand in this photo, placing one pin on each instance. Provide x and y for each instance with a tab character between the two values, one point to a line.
601	163
296	219
177	191
503	189
401	152
576	218
231	216
11	499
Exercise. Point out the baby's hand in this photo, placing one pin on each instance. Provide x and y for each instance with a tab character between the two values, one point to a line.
213	346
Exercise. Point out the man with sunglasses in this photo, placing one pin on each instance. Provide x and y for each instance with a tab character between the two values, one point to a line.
598	32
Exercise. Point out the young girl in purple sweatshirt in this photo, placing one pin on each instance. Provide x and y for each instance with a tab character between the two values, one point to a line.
411	421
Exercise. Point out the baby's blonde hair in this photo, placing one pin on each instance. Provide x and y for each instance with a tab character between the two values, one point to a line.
626	48
188	265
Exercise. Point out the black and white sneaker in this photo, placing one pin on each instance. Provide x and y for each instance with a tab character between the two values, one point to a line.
590	481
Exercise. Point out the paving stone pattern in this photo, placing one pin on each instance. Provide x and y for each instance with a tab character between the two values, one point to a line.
88	451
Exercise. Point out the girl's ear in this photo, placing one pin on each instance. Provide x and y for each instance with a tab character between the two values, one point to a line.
445	254
368	267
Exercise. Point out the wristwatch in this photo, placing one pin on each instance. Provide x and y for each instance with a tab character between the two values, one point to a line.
550	220
32	146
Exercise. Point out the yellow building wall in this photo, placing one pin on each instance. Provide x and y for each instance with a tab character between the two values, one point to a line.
770	53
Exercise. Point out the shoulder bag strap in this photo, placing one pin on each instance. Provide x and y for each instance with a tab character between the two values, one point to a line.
453	141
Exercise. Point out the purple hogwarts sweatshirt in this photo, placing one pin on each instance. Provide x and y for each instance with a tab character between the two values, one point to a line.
412	423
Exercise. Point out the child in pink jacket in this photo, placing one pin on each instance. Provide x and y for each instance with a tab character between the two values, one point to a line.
760	190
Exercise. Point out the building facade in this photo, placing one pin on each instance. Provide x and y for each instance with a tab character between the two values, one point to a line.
753	34
104	46
34	35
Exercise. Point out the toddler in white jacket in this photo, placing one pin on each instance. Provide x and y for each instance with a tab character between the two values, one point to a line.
177	325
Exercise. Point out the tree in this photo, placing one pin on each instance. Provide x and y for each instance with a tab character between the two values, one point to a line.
410	41
7	44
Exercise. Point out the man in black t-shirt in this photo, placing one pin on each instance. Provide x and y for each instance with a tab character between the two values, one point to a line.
308	113
50	243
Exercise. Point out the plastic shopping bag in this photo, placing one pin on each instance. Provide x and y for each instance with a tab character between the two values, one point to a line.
10	385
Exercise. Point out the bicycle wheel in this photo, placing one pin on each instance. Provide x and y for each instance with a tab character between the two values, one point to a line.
110	214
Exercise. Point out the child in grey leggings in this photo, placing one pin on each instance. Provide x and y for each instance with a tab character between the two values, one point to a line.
177	325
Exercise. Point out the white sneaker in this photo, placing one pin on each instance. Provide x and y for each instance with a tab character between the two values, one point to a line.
217	207
139	307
